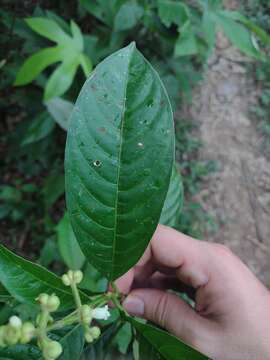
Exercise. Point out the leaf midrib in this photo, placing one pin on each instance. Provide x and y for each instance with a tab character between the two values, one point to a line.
120	156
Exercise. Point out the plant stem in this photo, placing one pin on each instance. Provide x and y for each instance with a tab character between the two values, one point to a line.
76	295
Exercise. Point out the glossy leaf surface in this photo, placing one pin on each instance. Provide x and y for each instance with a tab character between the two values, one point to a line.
25	280
155	344
174	200
119	156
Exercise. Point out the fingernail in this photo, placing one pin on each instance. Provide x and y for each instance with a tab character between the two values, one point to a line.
134	305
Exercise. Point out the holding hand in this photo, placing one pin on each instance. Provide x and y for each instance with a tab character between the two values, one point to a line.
231	319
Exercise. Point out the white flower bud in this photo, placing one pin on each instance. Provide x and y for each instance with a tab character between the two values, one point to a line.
15	322
70	274
49	302
27	332
77	276
95	332
88	337
43	299
53	303
86	314
66	280
12	335
51	350
101	313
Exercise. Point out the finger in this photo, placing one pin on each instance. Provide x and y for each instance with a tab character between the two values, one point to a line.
164	282
170	312
144	266
189	257
125	282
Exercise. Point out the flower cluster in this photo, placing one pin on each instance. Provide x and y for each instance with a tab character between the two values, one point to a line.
18	332
86	313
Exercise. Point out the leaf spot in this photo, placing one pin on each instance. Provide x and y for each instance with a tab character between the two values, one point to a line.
97	163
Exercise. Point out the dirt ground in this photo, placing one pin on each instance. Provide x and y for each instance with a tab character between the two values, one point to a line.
238	195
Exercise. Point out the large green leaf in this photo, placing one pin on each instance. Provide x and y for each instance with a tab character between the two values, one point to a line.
68	245
4	294
174	200
72	343
25	280
20	352
155	344
119	155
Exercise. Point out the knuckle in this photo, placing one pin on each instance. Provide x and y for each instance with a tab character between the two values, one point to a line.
161	309
222	250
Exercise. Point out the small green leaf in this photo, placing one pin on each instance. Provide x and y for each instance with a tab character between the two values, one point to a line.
86	64
72	344
53	188
174	200
258	31
77	35
209	29
123	338
39	128
93	280
49	252
103	10
69	52
128	16
47	28
25	280
61	79
10	194
68	245
119	156
36	63
237	34
60	110
186	44
171	12
155	344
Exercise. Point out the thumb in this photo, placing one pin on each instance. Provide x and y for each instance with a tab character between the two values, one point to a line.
168	311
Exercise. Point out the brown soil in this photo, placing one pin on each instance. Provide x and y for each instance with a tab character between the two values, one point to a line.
238	196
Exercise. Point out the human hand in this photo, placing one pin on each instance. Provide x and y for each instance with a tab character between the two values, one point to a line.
231	319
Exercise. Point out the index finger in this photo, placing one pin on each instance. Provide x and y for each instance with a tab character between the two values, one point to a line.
171	249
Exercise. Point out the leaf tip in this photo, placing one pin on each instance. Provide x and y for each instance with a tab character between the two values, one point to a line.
132	45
